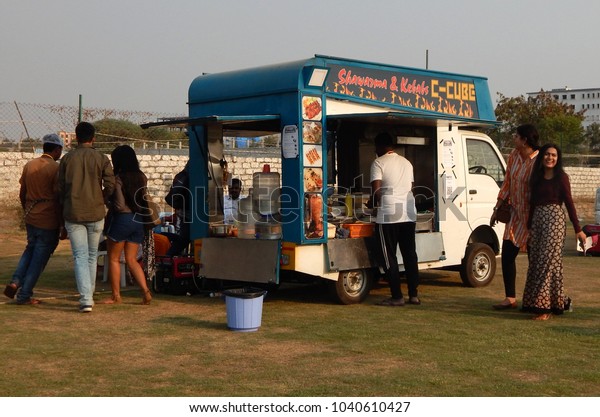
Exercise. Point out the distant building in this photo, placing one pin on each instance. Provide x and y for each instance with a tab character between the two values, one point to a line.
68	138
587	99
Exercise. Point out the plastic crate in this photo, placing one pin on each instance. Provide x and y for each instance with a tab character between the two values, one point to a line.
360	229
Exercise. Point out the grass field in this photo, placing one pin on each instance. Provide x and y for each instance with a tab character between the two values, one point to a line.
454	344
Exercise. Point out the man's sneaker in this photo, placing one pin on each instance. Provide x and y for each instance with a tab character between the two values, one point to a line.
85	309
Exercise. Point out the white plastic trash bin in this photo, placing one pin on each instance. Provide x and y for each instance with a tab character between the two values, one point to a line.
244	308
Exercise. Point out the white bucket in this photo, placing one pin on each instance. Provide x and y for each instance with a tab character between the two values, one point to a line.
244	308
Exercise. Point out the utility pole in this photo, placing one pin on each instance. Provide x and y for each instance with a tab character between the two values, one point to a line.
80	109
22	122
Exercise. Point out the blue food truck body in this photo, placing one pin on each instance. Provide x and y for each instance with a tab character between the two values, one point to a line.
326	111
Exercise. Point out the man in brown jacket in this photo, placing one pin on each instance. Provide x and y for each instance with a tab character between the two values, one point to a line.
85	182
39	199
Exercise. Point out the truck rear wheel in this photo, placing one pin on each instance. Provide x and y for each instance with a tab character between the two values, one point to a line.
351	287
478	266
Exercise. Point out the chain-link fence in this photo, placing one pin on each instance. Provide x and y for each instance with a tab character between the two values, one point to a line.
22	125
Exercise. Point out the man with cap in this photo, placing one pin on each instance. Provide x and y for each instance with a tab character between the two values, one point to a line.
43	219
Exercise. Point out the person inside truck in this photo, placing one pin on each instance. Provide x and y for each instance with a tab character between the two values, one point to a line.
180	198
515	190
231	202
392	178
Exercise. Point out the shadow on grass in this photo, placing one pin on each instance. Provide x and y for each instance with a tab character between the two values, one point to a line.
189	322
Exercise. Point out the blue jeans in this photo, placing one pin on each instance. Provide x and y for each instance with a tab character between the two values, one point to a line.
85	238
40	245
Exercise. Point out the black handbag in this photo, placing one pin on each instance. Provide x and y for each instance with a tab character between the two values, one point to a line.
503	212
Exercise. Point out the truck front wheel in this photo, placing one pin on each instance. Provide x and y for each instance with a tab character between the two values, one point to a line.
478	266
351	287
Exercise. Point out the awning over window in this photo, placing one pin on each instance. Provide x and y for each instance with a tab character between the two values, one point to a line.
231	122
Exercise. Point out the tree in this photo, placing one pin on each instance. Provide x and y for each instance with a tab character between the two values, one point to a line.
272	140
7	145
113	131
30	144
556	121
563	130
160	134
592	137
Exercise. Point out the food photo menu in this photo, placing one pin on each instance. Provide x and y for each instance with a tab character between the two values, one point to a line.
312	159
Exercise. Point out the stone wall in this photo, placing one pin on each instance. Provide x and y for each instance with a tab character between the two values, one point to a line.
584	182
161	166
242	164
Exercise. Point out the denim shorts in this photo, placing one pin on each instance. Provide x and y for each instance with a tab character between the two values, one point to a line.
123	228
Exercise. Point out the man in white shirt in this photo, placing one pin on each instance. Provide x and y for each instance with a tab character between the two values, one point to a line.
231	202
392	179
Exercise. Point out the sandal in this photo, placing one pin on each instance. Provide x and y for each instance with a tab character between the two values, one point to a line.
11	290
542	317
391	302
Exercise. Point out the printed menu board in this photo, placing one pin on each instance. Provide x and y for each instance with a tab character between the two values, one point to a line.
312	160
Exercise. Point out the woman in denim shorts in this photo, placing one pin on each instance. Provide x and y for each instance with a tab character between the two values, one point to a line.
124	231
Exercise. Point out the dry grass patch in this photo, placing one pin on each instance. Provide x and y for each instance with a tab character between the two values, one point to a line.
452	345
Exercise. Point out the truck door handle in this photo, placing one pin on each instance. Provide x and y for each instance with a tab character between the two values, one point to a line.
472	191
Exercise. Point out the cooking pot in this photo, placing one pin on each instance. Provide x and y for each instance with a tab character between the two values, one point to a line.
220	230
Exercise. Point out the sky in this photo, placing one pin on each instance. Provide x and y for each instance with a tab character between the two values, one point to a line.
142	55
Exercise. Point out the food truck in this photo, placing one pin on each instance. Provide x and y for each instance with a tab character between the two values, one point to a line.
310	220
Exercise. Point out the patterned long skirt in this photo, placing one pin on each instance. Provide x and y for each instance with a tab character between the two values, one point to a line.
544	290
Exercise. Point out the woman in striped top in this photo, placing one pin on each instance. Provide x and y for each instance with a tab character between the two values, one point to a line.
515	189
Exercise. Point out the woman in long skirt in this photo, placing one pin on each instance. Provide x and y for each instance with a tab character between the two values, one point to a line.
544	289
